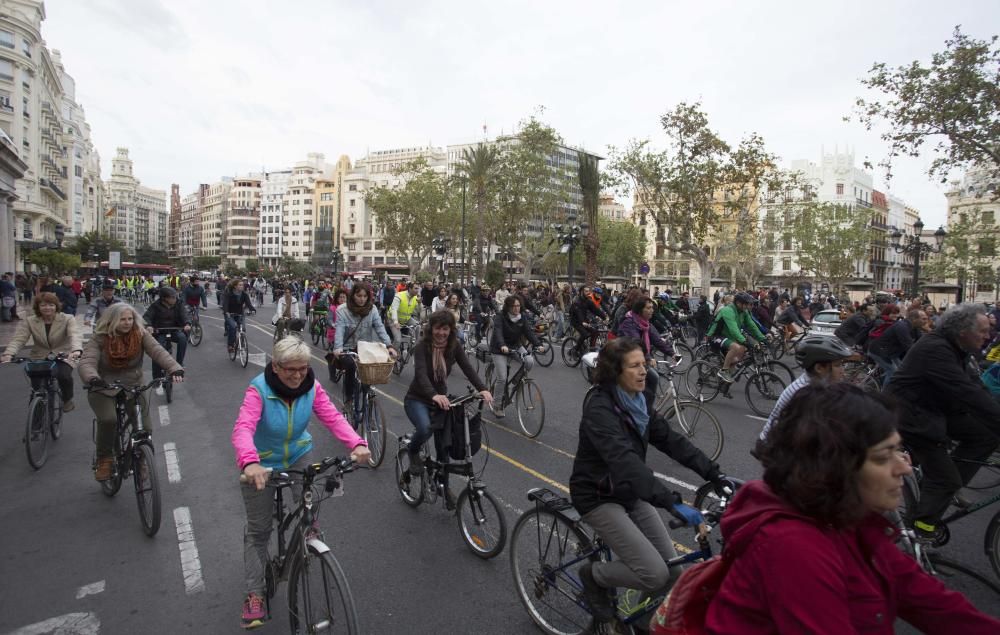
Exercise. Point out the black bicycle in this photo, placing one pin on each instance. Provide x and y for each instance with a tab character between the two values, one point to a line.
167	337
319	598
44	407
133	452
196	331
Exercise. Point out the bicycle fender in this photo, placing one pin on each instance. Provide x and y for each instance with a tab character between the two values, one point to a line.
317	545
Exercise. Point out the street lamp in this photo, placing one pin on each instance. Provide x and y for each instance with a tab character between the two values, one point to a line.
569	236
913	246
440	246
335	262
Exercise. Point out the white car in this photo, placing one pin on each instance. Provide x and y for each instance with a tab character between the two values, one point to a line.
825	322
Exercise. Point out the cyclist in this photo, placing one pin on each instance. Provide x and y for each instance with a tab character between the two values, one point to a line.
726	335
319	303
433	358
339	297
271	431
115	353
638	323
286	313
357	323
889	349
946	401
194	294
811	551
791	318
50	331
100	304
234	301
582	314
404	306
857	324
510	330
823	359
614	489
439	302
167	313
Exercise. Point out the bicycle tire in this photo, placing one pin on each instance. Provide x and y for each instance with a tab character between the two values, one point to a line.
570	356
992	543
762	391
540	543
147	488
548	354
481	522
317	570
196	334
911	495
111	486
316	334
375	432
55	422
530	408
687	358
702	382
782	370
36	432
232	353
983	592
243	350
407	483
698	425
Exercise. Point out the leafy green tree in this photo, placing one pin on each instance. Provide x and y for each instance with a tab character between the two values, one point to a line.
479	166
147	255
623	247
828	239
207	263
296	269
55	262
590	186
968	252
253	264
86	245
494	274
953	103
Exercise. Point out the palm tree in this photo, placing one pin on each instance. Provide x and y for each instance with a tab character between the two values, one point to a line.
479	165
590	186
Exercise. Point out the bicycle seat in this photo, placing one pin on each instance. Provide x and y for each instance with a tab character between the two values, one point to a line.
558	505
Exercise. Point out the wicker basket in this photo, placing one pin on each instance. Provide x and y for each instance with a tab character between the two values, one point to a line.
375	373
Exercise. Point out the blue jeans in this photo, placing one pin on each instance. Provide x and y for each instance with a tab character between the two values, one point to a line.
177	337
231	322
420	415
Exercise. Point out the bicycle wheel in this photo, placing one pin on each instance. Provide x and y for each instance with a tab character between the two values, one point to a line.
234	350
243	350
194	337
111	486
319	599
698	425
548	354
375	432
55	421
762	391
530	408
411	488
481	522
553	595
702	380
687	358
782	370
570	356
316	333
983	592
147	488
36	432
993	543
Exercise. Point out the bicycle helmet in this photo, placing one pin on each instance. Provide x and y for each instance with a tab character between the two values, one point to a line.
820	348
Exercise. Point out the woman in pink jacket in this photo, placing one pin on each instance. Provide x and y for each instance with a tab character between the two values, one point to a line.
271	432
813	553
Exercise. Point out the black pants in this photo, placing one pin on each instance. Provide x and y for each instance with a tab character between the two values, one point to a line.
347	364
942	476
64	375
588	335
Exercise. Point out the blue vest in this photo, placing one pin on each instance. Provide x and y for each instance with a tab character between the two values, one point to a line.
281	437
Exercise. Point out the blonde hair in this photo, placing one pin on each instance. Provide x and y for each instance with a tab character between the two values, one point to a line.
112	317
288	349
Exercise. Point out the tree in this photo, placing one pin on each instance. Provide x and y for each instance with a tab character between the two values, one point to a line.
590	185
968	251
494	274
479	167
253	264
86	245
207	263
147	255
828	239
55	262
623	247
411	216
954	103
296	269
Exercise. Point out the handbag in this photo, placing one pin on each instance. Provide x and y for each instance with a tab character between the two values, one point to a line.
8	302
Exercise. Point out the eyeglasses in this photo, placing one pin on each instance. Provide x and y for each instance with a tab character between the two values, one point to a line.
300	370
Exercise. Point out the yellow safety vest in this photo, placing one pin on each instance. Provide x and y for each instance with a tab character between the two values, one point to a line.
407	306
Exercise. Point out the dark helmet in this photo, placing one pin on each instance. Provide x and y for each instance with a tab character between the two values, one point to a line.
743	297
820	348
168	292
108	284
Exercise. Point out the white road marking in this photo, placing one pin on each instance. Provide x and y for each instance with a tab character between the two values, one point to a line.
259	359
675	481
173	467
90	589
164	415
190	564
159	391
757	418
75	623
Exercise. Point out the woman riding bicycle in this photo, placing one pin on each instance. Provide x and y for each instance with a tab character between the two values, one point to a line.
636	324
115	354
339	299
51	331
510	329
271	433
433	358
358	323
235	300
812	552
613	488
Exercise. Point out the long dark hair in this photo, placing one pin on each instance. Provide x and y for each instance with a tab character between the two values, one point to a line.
440	318
352	306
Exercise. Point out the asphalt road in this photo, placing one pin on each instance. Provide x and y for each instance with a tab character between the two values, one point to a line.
75	559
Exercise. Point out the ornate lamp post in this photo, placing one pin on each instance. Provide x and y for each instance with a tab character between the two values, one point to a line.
913	246
335	261
569	236
440	246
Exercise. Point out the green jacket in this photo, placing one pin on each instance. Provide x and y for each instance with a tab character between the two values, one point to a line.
733	321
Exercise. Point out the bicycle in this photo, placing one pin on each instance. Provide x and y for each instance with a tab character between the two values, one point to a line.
166	337
133	452
317	327
688	417
194	337
367	415
44	407
526	394
546	354
409	335
286	326
481	521
763	386
865	374
549	543
241	349
572	350
304	561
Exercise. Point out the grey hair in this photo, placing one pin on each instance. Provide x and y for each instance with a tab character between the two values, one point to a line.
290	349
112	316
959	318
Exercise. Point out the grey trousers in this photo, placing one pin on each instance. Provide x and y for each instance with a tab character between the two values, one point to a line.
641	545
260	522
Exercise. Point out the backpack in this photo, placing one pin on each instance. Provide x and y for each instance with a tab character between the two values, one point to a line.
684	610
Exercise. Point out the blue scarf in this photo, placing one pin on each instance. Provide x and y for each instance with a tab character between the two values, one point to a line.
636	407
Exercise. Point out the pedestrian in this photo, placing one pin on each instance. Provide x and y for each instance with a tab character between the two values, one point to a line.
67	296
8	298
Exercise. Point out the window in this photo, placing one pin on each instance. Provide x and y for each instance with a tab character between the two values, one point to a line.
786	264
352	229
352	188
352	202
26	48
787	243
7	39
988	217
6	70
840	189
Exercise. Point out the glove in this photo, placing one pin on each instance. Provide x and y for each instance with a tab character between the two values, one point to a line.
97	383
688	514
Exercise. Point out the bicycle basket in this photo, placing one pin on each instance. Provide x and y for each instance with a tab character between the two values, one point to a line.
39	368
375	373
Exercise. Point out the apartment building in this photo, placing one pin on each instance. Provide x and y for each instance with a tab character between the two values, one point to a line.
136	215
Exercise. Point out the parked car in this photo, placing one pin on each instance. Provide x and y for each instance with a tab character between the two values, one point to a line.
825	322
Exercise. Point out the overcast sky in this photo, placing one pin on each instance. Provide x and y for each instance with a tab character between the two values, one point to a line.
198	89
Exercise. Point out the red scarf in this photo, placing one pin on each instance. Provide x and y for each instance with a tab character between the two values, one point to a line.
643	328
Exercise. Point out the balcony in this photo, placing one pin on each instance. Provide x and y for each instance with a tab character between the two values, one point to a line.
882	226
863	203
52	187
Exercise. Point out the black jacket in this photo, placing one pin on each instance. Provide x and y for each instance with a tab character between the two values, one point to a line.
160	316
938	386
511	334
851	329
67	298
896	340
581	311
610	464
424	387
235	304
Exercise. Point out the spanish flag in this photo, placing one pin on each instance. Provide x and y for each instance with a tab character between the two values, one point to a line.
111	211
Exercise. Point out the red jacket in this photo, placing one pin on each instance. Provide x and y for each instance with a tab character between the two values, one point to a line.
792	575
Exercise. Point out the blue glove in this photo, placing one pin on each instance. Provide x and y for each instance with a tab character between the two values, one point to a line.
688	514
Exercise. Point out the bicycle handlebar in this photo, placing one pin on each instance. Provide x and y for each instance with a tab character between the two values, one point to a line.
285	478
51	357
135	389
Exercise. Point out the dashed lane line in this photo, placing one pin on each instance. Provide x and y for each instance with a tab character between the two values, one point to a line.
76	623
164	415
90	589
173	466
190	563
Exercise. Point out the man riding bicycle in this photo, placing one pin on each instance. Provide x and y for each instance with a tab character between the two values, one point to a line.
194	294
726	335
234	301
167	313
100	304
405	305
286	315
585	310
